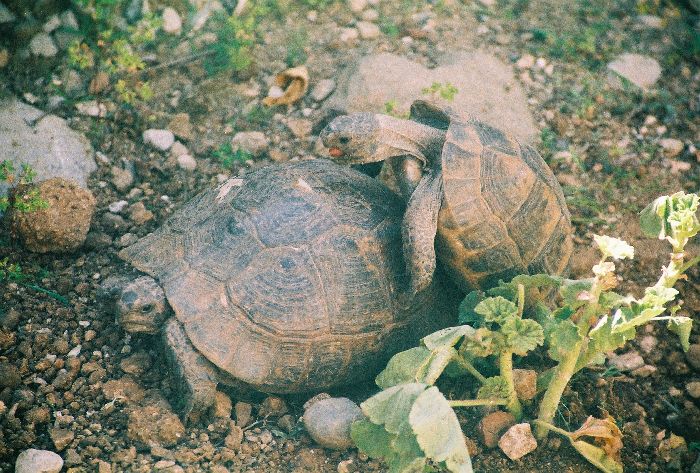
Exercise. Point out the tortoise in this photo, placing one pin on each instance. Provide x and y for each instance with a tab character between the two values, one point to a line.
491	206
290	279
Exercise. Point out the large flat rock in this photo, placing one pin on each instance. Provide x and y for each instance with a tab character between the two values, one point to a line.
49	146
486	87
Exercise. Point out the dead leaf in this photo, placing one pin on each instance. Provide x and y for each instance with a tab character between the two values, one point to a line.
294	82
605	433
98	83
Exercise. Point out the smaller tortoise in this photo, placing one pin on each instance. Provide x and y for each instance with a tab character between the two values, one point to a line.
288	280
491	206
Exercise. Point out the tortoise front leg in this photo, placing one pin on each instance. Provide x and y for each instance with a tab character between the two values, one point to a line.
402	175
195	377
419	230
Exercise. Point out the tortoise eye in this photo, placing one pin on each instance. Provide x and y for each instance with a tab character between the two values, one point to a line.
344	140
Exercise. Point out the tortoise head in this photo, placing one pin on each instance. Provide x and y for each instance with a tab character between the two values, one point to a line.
141	306
357	138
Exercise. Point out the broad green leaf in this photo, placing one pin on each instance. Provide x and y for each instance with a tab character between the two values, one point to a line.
482	343
404	367
658	296
681	326
573	291
495	387
653	219
447	337
613	247
562	338
438	431
522	335
437	363
611	300
683	218
509	290
407	455
466	314
496	309
371	438
602	340
597	457
399	464
391	407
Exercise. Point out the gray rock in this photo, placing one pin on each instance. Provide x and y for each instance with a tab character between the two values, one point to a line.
51	24
159	139
368	30
693	389
50	147
640	70
651	21
186	162
518	441
693	356
486	88
323	89
357	5
38	461
6	16
42	45
672	147
68	20
627	361
255	142
172	23
348	34
328	422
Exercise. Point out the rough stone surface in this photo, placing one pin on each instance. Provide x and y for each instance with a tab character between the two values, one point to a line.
61	437
368	30
627	361
693	389
154	424
671	147
525	383
222	406
273	406
38	461
486	88
159	139
518	441
693	356
255	142
50	147
300	127
492	425
244	412
186	162
172	23
323	89
328	422
43	45
640	70
357	5
63	225
180	125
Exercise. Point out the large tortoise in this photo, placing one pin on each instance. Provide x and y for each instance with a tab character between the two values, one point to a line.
491	206
288	280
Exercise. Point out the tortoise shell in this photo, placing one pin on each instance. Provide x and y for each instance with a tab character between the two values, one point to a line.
290	278
503	211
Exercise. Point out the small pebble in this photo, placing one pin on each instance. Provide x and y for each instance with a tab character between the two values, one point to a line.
328	422
518	441
43	45
172	23
186	162
38	461
159	139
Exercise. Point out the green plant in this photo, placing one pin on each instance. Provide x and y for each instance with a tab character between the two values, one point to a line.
446	91
392	108
13	272
296	48
29	201
410	421
227	156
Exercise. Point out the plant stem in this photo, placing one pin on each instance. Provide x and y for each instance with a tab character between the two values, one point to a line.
477	402
560	378
506	368
553	428
470	368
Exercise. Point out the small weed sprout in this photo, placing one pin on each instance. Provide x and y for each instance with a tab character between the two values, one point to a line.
227	156
410	422
31	200
391	108
445	91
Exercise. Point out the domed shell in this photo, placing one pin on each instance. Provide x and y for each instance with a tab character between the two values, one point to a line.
289	279
503	212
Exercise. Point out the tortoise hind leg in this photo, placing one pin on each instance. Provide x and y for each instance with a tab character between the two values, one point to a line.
419	230
195	377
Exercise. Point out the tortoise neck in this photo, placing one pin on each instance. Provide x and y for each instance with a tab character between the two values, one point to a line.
409	138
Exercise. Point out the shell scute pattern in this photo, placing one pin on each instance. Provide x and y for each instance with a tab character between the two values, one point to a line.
297	297
503	211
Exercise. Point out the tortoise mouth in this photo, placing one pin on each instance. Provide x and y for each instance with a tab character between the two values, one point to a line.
135	324
336	152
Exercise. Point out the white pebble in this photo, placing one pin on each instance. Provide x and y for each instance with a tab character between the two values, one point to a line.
159	139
